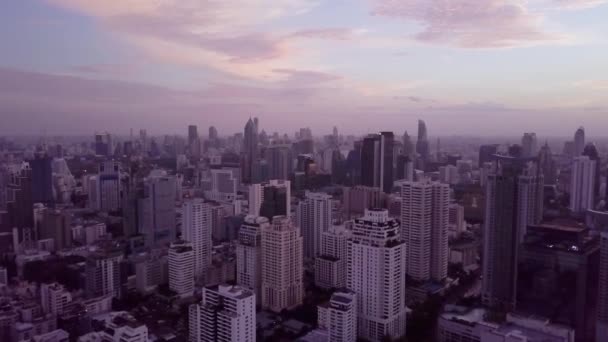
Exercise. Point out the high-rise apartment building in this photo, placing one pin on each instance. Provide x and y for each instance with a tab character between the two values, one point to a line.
313	217
485	153
249	253
181	268
102	271
282	269
197	229
54	298
330	265
339	316
425	209
529	145
358	198
513	200
226	314
376	265
582	184
280	161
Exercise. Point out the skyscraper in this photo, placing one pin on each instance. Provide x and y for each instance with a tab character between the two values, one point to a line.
485	153
226	313
408	146
591	151
103	273
270	199
513	200
582	184
157	210
192	135
424	228
546	163
579	141
422	144
181	268
529	145
249	253
42	179
377	161
105	190
282	269
280	161
313	216
250	152
196	228
376	273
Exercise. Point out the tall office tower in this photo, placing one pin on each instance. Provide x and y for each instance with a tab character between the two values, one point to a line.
156	210
591	151
223	185
42	179
249	253
196	228
485	153
102	271
546	163
181	268
339	316
529	145
282	269
192	134
376	260
213	135
226	314
280	161
20	204
404	169
408	145
422	144
582	184
105	192
513	200
270	199
358	198
313	216
250	152
377	161
54	298
425	210
103	144
579	141
330	266
602	304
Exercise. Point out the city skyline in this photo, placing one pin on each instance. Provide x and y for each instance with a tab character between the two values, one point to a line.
465	67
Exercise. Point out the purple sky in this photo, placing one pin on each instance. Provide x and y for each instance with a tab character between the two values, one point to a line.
483	67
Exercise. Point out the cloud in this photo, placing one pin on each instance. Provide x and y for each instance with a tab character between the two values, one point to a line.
212	33
103	69
592	84
579	4
331	33
470	23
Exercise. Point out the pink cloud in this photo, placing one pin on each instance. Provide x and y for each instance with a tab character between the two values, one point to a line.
579	4
469	23
332	33
103	69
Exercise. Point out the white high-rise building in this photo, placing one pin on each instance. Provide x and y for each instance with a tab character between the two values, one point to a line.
313	216
54	298
339	317
330	265
226	314
582	184
103	273
197	229
424	228
376	273
256	195
249	253
181	268
282	269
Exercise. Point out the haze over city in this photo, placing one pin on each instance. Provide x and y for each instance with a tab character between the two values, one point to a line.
478	67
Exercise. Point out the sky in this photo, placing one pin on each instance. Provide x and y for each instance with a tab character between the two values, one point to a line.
467	67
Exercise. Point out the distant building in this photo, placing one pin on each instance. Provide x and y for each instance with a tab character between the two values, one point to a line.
359	198
249	254
157	210
103	274
582	184
331	264
377	161
269	199
197	229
